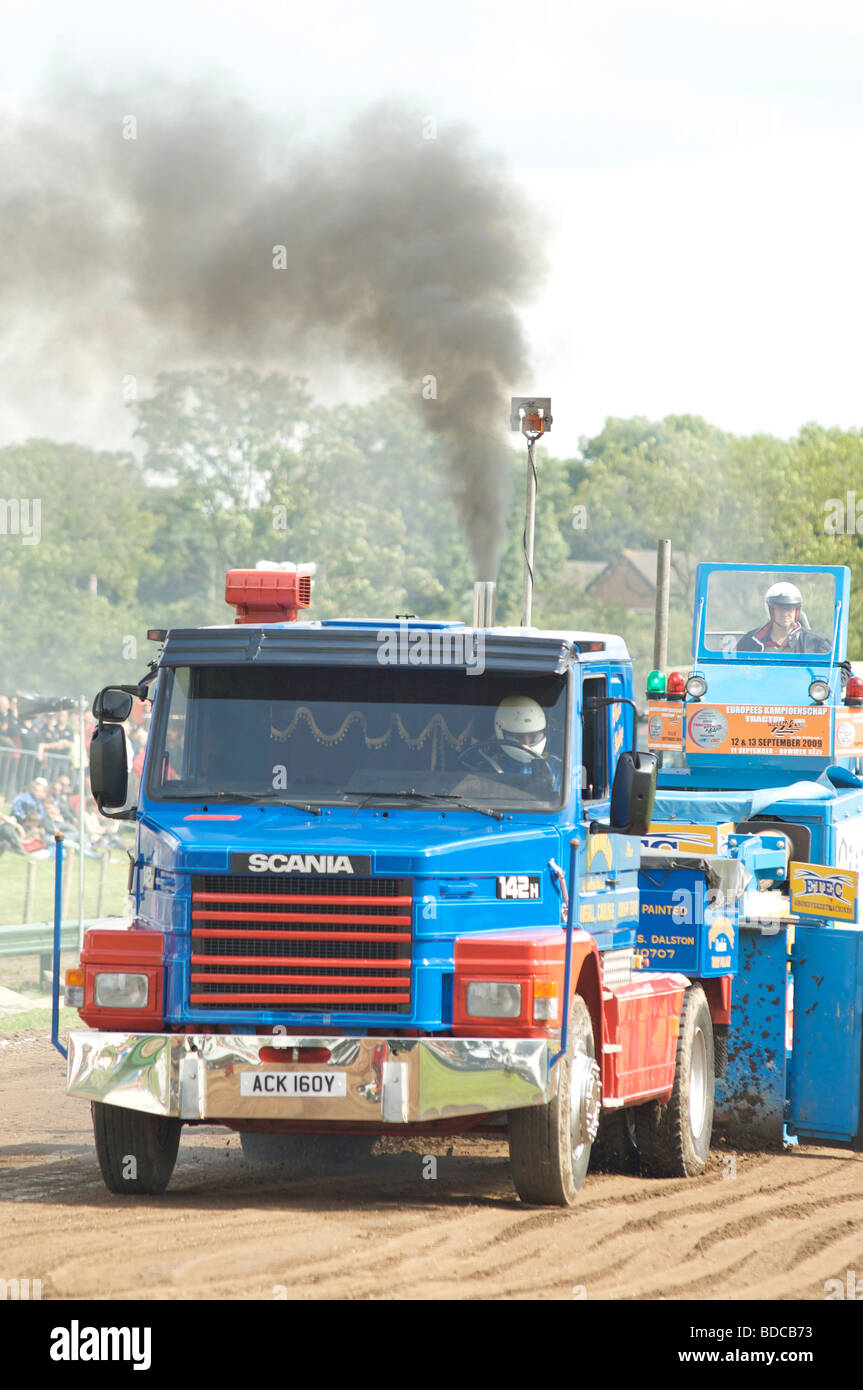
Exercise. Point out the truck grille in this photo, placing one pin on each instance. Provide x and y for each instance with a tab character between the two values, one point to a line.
315	943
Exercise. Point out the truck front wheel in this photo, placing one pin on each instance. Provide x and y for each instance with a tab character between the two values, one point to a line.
674	1139
549	1145
136	1151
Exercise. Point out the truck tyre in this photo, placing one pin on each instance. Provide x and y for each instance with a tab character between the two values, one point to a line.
720	1048
614	1148
136	1151
549	1145
674	1138
305	1153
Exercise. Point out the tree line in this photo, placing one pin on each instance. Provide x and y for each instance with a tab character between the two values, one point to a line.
229	467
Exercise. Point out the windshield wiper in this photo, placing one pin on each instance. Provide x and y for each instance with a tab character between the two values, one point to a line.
450	797
262	798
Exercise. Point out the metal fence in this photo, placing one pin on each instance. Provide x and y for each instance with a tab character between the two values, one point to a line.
18	767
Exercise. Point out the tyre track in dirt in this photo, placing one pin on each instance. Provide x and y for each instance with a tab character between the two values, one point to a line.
779	1229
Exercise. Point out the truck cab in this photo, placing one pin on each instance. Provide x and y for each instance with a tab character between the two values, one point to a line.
386	879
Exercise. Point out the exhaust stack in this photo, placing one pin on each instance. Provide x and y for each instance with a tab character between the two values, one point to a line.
483	603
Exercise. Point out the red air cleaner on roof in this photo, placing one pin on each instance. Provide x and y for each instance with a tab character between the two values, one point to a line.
268	595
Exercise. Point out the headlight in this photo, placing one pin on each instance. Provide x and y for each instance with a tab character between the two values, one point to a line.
818	690
696	685
113	991
493	999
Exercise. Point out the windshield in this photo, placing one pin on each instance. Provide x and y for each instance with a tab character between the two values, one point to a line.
769	611
324	735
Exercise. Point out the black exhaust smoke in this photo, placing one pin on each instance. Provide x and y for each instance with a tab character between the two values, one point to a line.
159	252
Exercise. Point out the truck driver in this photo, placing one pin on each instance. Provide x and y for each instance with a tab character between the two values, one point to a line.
786	629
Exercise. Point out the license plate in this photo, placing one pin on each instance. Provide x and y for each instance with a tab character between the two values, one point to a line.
292	1084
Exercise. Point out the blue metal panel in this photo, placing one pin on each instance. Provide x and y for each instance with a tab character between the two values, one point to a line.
453	859
679	930
750	1098
607	889
828	1002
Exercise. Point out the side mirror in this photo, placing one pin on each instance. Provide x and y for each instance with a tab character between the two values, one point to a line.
109	768
113	704
632	795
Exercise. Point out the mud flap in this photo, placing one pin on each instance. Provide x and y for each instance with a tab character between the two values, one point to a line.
750	1098
827	963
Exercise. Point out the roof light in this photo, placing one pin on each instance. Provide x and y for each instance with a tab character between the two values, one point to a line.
268	595
676	687
818	691
696	685
656	684
854	691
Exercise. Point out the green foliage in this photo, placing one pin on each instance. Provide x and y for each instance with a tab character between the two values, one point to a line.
233	467
56	635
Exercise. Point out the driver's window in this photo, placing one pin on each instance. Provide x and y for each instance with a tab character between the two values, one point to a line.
594	744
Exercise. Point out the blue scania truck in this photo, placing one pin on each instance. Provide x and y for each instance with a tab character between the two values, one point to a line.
386	881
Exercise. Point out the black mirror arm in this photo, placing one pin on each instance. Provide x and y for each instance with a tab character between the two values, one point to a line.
597	827
129	814
603	701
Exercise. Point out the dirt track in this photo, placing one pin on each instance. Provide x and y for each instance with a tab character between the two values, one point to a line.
778	1229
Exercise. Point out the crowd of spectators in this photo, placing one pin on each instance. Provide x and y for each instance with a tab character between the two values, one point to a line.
39	782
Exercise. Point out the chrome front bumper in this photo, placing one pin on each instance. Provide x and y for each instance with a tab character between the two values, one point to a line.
387	1080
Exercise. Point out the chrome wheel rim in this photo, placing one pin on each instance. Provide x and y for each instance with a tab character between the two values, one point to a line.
698	1084
585	1098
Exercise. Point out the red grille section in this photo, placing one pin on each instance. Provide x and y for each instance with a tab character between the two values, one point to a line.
303	944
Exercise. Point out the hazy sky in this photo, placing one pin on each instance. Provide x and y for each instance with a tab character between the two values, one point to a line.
697	164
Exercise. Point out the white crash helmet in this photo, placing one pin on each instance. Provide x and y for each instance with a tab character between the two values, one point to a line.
520	719
785	595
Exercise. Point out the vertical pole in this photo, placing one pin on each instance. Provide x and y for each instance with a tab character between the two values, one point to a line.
29	890
574	845
103	873
529	528
67	886
58	920
82	754
663	590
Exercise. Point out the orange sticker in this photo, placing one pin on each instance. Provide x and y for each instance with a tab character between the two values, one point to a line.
665	724
802	731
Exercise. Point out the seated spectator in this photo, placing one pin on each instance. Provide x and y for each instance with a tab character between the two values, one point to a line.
32	837
10	835
31	801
